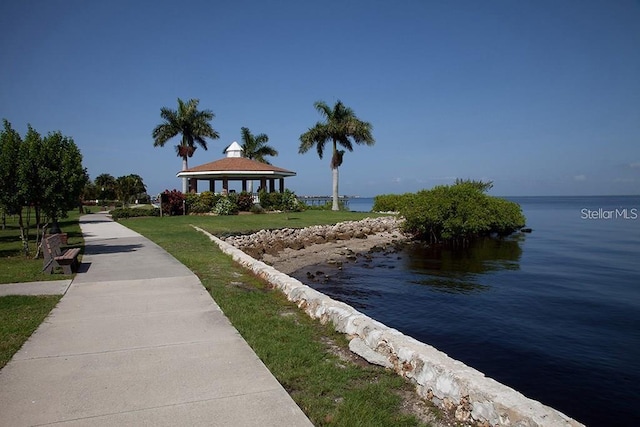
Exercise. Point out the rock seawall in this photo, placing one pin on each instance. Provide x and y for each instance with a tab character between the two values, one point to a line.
272	242
450	384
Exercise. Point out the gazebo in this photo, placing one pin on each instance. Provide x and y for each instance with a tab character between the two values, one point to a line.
234	167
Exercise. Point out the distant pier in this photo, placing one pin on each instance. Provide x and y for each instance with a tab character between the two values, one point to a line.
322	200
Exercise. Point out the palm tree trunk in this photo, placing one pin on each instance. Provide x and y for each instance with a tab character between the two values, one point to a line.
335	206
185	182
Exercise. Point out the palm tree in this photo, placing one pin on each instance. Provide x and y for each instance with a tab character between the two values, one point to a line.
341	126
192	124
255	147
107	184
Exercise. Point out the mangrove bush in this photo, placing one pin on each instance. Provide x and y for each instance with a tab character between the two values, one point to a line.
456	214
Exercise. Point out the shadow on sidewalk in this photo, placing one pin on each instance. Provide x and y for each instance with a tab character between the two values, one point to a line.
96	221
83	267
110	249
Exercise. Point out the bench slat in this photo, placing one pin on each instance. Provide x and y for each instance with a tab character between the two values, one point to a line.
69	253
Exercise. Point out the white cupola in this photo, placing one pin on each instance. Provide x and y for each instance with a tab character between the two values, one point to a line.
234	150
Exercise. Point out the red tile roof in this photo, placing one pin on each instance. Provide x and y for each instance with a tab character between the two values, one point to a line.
237	164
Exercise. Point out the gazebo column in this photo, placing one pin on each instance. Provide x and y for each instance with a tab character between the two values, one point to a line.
281	185
244	185
193	185
212	185
271	185
263	183
225	185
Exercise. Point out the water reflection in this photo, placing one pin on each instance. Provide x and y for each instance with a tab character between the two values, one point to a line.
483	256
458	269
440	269
452	286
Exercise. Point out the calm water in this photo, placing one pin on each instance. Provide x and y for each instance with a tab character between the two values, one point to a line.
554	314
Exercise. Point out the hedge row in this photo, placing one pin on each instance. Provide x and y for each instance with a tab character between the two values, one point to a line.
121	213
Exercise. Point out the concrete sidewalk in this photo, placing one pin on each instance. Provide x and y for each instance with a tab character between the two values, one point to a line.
53	287
137	340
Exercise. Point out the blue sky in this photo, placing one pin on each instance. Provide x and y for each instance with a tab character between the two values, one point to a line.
542	97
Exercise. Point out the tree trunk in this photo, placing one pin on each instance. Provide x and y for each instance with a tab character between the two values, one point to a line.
24	234
335	206
185	181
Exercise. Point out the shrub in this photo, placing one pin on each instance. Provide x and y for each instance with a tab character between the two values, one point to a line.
201	203
387	202
225	206
191	200
458	214
290	202
208	200
257	209
281	201
327	206
269	201
244	201
197	208
175	203
123	213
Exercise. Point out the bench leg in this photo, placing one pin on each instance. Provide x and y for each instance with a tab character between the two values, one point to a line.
66	268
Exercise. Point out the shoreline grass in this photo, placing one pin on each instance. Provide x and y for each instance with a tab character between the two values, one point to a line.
310	360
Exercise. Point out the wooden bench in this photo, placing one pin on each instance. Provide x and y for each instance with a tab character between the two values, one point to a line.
54	256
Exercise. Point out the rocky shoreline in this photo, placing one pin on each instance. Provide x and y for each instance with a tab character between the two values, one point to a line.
289	249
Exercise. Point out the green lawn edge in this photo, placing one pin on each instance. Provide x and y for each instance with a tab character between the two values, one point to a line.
20	316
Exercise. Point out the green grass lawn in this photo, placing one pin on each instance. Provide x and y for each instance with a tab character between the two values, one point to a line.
310	360
19	317
15	266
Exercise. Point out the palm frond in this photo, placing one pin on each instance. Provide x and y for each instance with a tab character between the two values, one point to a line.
255	146
194	125
341	126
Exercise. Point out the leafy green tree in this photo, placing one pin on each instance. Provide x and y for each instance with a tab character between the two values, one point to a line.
46	176
106	185
90	191
63	176
128	187
31	181
341	127
10	144
192	124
